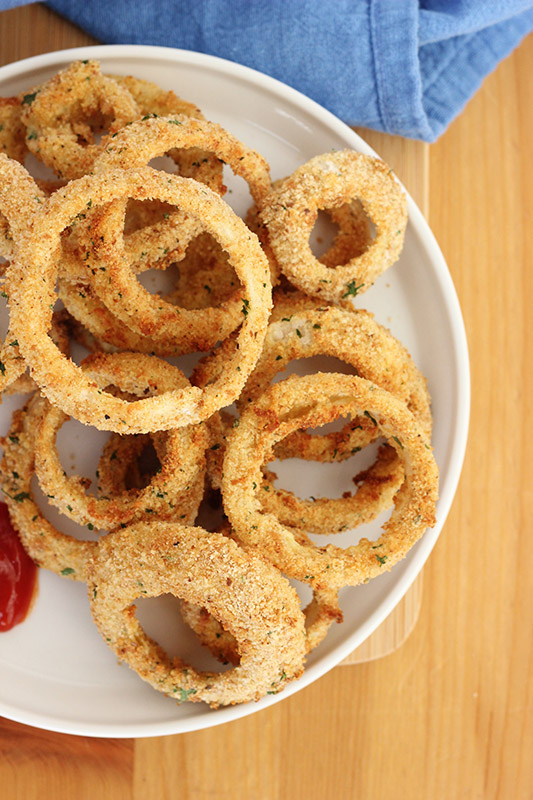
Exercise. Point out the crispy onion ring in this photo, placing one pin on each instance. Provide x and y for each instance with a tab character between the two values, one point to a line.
301	329
376	486
319	615
326	181
206	281
58	114
35	272
301	402
193	162
175	490
20	198
250	598
44	543
110	273
119	462
351	240
97	321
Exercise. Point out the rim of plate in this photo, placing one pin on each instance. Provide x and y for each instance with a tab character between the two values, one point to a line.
452	467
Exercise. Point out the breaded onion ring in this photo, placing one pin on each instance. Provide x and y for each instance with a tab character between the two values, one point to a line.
326	181
320	614
58	116
44	543
113	277
248	596
376	486
20	199
308	401
300	328
108	332
193	162
35	270
177	487
351	240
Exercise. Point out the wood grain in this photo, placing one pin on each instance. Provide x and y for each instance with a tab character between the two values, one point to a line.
448	715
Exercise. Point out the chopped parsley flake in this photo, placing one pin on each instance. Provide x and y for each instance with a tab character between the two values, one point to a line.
28	99
21	496
184	694
352	289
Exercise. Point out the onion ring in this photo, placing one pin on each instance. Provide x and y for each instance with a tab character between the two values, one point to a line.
251	599
178	486
299	328
194	163
119	457
20	199
301	402
45	544
326	181
351	240
36	270
110	274
56	115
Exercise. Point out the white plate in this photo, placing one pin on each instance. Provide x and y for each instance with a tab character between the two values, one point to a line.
55	672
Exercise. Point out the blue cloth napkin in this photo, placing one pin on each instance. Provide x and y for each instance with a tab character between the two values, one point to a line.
399	66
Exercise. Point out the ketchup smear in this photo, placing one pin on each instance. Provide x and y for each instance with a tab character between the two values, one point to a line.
17	575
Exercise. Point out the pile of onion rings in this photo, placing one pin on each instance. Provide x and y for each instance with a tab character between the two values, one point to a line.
88	340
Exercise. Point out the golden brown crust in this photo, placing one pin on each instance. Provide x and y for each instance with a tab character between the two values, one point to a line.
249	597
35	273
174	492
47	546
309	401
326	181
62	115
20	201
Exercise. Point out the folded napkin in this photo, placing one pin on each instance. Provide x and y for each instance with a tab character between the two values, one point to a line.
400	66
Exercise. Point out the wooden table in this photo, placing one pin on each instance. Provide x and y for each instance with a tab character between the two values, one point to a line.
445	715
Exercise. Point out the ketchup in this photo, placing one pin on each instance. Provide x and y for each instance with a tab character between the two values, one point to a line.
17	575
